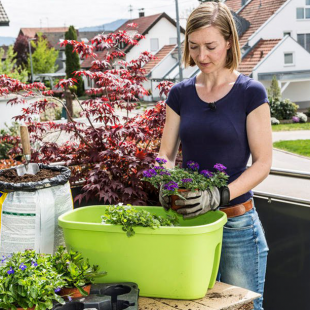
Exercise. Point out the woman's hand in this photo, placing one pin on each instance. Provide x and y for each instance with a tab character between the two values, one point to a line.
197	203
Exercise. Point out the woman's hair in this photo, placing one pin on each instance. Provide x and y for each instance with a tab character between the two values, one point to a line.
217	15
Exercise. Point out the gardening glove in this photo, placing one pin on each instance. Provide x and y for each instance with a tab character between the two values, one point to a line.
197	203
164	201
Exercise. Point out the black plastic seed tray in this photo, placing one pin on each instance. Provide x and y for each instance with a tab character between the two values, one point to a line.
106	296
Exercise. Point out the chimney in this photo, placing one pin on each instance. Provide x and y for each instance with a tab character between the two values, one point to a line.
141	12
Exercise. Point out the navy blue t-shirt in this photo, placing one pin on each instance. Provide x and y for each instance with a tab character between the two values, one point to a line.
211	136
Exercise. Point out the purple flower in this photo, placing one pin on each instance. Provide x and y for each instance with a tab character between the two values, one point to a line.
70	298
158	168
22	267
56	290
295	119
170	186
11	271
219	167
164	173
161	160
192	165
34	264
207	173
149	173
187	180
3	259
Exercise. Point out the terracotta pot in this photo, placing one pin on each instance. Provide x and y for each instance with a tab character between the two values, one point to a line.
27	308
73	292
176	197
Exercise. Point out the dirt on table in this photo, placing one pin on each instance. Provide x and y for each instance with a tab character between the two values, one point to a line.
10	176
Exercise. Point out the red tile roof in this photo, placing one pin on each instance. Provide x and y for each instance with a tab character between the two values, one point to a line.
259	51
31	32
144	23
257	12
160	55
234	5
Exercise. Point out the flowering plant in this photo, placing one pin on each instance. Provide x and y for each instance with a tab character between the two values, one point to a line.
109	151
188	178
74	269
27	280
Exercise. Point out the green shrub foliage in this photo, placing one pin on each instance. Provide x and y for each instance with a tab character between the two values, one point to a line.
73	60
282	109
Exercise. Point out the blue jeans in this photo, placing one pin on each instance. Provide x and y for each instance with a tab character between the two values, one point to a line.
244	254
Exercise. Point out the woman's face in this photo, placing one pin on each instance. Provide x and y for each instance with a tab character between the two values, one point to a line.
208	49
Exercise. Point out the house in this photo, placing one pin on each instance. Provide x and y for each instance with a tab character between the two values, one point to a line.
278	43
55	35
160	39
4	20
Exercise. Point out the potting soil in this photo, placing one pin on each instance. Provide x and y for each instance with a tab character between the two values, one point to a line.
10	176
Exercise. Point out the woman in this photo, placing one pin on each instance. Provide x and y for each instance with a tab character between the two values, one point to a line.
222	116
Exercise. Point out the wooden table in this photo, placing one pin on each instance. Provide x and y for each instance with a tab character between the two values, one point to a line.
221	297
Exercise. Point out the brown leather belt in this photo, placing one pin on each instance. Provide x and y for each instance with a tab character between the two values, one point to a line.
239	209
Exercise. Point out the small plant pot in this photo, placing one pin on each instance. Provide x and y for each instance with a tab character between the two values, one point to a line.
176	197
27	308
73	292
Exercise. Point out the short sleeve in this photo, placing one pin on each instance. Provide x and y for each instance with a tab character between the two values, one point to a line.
173	100
255	95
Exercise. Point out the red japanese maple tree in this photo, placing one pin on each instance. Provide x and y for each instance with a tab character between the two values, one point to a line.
108	152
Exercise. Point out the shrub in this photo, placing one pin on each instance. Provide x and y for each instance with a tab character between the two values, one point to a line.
308	112
282	109
274	121
302	117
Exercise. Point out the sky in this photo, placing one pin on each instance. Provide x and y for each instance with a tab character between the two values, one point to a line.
60	13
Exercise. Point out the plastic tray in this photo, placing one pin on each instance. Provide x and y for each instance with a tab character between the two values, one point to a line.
108	296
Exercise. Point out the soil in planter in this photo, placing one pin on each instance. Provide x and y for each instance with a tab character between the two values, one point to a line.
10	176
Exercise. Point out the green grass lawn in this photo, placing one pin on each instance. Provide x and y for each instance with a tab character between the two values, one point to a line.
301	147
289	127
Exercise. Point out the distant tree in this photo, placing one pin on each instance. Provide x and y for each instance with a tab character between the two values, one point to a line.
21	48
73	60
9	67
44	57
274	91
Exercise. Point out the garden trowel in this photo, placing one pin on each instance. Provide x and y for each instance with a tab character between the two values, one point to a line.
29	168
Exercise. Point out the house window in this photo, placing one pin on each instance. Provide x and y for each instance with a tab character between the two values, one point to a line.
304	40
307	2
154	45
286	33
172	41
303	13
300	13
243	2
288	59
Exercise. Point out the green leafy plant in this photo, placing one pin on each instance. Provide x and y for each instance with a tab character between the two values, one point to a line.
189	178
128	217
74	269
28	280
282	109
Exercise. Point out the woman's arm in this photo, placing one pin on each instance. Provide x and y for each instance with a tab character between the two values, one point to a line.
259	134
170	140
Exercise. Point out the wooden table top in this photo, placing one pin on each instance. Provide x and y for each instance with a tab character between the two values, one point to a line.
221	297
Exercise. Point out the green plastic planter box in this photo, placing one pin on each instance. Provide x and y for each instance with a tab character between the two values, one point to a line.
169	262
